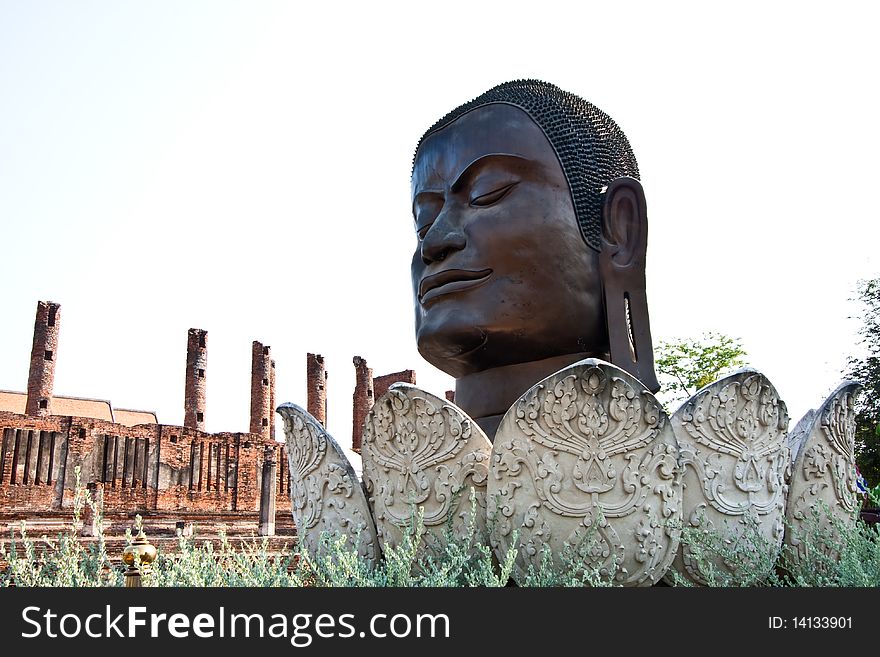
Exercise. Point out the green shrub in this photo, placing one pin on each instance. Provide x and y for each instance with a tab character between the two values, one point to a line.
833	554
64	561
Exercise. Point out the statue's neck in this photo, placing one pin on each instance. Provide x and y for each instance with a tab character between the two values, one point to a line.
487	395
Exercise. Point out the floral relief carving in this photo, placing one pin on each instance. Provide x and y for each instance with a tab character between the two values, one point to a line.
585	464
816	461
423	453
824	474
735	457
325	493
838	427
586	467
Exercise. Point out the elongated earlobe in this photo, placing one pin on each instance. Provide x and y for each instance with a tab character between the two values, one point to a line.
622	267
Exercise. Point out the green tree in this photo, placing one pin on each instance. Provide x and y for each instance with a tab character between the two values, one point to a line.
866	370
686	365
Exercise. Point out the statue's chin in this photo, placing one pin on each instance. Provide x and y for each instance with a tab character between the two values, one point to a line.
452	353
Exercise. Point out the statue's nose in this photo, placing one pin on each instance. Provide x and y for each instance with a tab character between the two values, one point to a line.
444	237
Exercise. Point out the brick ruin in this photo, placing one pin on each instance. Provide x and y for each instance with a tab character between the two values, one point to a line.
261	378
43	354
171	475
367	389
140	469
194	391
382	383
316	387
362	400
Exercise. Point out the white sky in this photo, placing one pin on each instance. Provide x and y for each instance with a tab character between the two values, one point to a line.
243	167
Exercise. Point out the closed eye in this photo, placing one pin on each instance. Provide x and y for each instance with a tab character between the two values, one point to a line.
426	207
492	197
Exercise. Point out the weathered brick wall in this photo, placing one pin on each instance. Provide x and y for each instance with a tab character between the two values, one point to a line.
195	471
316	387
261	360
362	400
153	469
250	473
196	368
44	353
112	454
382	383
144	468
172	467
207	472
33	454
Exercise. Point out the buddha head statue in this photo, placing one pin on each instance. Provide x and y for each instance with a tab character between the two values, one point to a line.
532	231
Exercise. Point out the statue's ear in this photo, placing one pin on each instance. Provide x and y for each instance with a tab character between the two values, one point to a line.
622	267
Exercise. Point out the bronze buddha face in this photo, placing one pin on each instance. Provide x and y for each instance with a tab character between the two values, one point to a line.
532	234
501	274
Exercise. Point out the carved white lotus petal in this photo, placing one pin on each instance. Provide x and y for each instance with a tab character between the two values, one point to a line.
325	493
585	465
735	456
423	453
823	476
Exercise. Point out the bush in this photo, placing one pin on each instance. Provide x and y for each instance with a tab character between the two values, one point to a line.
833	554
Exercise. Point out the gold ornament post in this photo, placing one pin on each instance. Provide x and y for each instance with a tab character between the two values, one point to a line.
138	556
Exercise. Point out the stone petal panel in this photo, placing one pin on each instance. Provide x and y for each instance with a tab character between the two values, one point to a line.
823	476
735	456
325	493
797	435
585	465
423	453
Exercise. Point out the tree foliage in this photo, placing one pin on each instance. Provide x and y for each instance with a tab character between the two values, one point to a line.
866	370
686	365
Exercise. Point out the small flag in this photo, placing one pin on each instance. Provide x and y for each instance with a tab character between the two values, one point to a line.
861	483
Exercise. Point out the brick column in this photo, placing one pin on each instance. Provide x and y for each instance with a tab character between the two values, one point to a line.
44	353
267	493
261	366
272	400
362	402
316	387
196	366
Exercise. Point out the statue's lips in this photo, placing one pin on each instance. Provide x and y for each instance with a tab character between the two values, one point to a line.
451	280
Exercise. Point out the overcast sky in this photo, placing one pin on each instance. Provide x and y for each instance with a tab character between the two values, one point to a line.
243	167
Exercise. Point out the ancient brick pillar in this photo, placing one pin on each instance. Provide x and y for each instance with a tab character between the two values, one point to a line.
382	383
268	493
43	356
272	400
194	394
261	368
316	387
362	402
